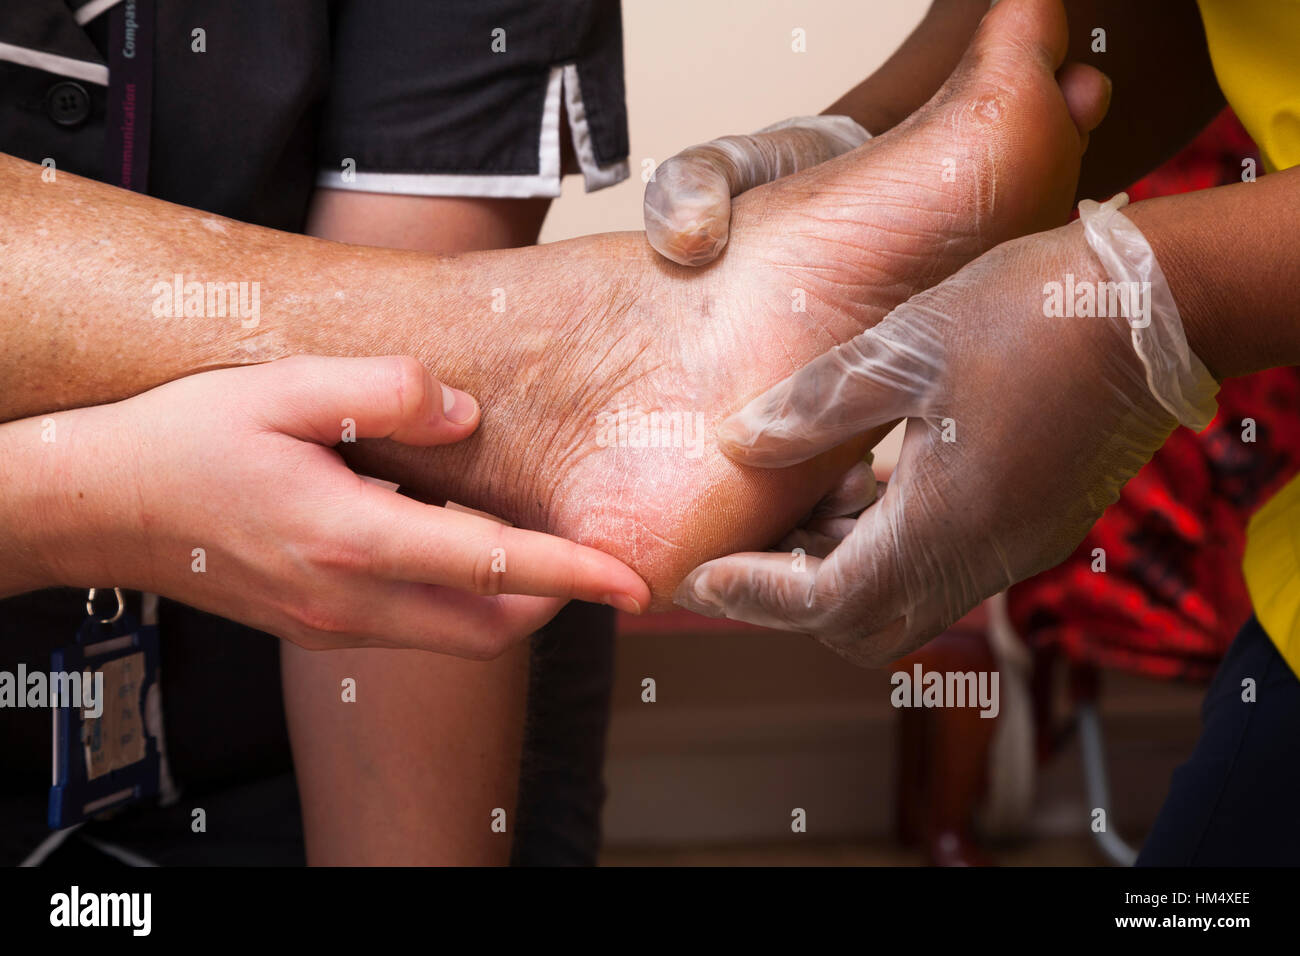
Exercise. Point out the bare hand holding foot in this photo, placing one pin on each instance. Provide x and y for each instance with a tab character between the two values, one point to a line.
226	482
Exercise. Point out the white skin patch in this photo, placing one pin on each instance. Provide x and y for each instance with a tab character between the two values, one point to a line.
214	225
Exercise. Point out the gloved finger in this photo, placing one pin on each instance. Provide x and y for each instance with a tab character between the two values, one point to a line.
878	594
804	592
856	490
807	542
849	601
789	593
886	587
688	200
837	528
884	374
769	589
818	538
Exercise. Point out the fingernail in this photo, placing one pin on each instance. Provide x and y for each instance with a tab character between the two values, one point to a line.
457	406
694	595
732	433
624	602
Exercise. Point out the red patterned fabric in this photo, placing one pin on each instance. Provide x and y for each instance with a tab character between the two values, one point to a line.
1173	595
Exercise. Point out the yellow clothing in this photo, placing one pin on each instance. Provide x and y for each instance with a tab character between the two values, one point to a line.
1255	47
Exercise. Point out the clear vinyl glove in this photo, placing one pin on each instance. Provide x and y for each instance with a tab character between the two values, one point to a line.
688	201
1036	381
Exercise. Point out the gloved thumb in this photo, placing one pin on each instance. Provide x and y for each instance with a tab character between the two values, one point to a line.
688	200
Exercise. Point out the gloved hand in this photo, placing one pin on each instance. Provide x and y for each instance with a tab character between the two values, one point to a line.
1022	428
688	201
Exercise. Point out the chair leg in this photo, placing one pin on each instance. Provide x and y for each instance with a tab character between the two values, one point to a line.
943	755
1098	785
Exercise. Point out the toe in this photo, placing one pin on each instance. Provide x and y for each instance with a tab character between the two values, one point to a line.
1087	95
1033	31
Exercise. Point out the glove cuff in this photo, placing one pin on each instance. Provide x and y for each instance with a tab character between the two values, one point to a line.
1176	377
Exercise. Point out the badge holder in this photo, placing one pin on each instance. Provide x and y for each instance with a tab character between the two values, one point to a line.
103	762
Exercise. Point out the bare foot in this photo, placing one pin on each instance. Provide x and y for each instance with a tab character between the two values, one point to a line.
597	331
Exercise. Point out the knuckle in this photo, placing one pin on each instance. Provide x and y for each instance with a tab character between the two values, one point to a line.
494	644
485	579
307	640
483	651
318	622
348	554
293	371
480	649
409	381
572	565
288	628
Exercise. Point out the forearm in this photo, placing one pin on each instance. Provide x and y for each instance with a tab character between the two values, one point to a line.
53	512
78	290
1229	256
22	506
90	277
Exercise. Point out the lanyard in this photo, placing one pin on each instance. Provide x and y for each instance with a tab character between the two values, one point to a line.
130	89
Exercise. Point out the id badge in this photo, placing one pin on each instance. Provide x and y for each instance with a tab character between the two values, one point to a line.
107	746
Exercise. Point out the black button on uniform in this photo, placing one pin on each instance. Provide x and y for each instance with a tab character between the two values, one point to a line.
67	103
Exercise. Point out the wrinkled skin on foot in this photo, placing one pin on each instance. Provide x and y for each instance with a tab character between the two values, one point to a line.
603	323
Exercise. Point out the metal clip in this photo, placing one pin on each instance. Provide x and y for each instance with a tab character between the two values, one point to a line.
121	606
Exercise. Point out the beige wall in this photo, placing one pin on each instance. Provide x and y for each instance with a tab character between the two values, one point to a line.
697	69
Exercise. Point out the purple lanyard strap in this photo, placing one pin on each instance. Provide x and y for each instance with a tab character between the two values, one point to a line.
130	92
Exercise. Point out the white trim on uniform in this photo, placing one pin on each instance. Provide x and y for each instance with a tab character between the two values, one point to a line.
53	63
93	9
441	184
562	82
594	176
548	144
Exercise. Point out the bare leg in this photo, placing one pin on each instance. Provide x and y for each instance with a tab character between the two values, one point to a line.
410	773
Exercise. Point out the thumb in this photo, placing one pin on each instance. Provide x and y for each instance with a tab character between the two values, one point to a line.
688	201
328	400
